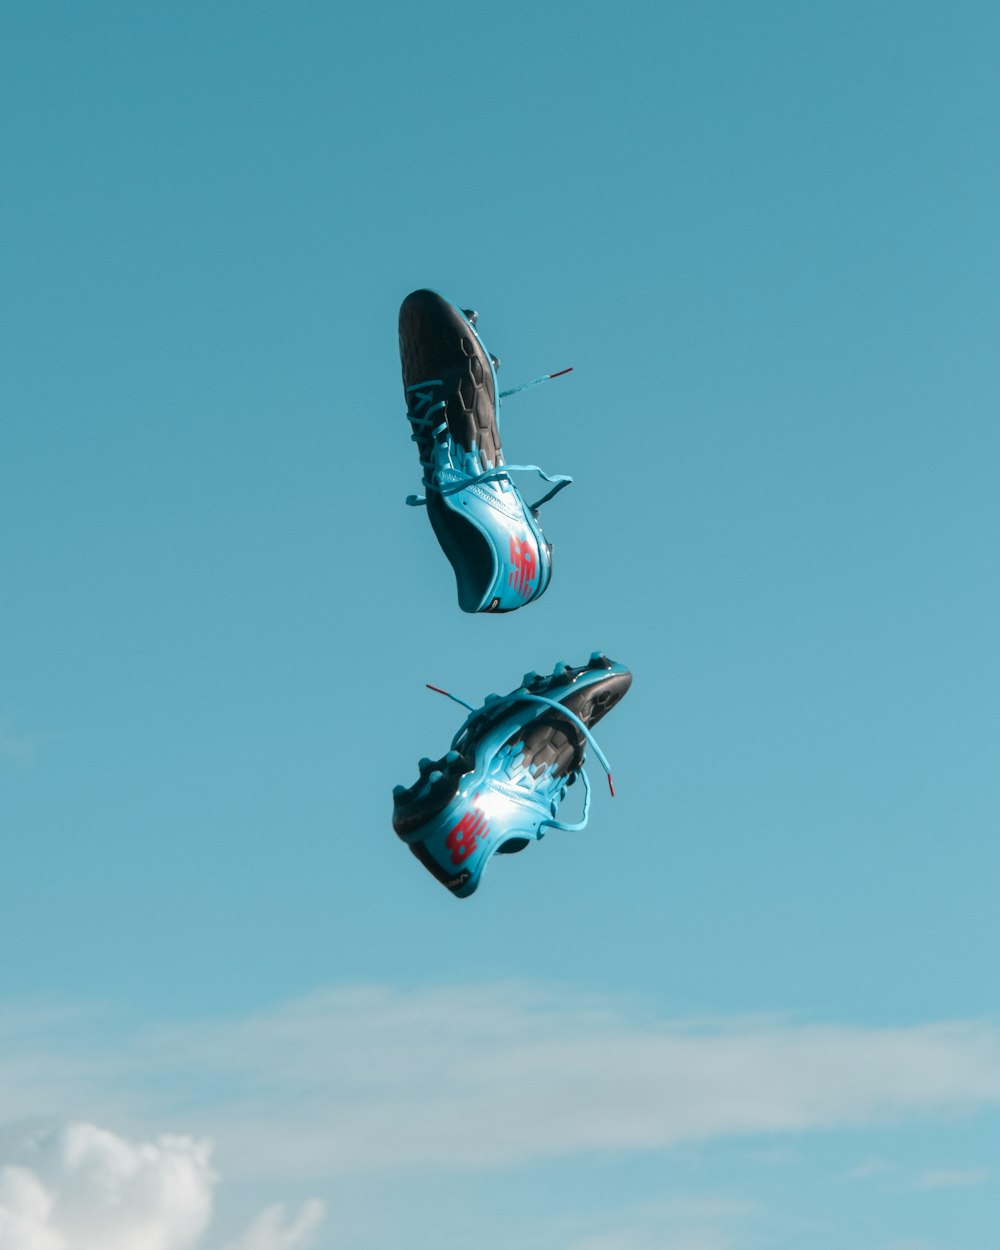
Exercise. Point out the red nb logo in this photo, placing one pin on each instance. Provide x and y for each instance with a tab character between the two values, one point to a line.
464	836
522	556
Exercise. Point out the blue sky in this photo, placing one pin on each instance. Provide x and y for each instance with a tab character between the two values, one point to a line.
755	1003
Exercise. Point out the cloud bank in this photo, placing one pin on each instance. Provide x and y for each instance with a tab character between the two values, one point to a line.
374	1079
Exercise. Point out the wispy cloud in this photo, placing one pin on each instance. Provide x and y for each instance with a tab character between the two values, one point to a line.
17	746
869	1168
379	1078
952	1178
276	1229
692	1223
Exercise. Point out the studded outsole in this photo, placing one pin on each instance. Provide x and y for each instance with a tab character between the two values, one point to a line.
438	341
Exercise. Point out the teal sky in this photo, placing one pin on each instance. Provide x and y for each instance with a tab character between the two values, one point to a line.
755	1004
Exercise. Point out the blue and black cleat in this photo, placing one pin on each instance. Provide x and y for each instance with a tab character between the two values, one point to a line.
491	536
508	770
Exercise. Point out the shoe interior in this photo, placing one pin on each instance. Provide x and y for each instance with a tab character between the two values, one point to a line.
466	549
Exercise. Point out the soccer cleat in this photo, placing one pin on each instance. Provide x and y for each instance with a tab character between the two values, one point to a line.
509	768
491	536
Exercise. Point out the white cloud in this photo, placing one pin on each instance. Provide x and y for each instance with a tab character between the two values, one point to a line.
79	1187
25	1212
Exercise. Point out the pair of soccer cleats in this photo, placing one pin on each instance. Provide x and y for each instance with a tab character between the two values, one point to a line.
512	762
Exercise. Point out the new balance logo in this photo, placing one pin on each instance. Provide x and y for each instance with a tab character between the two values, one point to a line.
463	838
522	556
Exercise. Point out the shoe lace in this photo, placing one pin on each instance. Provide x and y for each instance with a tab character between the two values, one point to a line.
522	696
427	428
